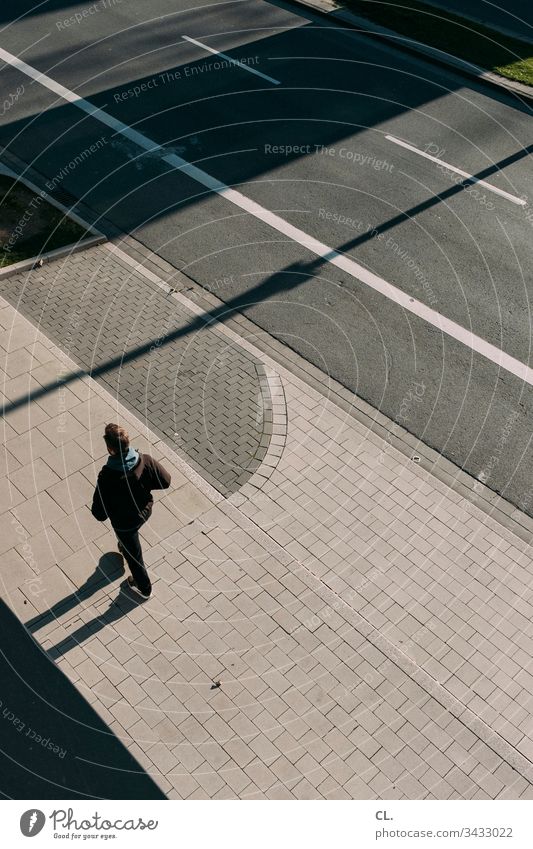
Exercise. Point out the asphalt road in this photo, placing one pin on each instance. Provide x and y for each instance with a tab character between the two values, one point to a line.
312	152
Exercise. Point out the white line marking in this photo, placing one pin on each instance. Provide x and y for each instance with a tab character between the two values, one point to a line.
234	61
451	328
465	174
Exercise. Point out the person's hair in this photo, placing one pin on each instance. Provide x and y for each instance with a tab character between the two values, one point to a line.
117	438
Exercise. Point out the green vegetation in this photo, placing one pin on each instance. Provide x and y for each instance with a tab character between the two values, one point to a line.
30	225
473	42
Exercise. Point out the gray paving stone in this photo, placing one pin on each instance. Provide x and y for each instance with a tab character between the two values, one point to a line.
260	775
209	781
61	429
11	533
79	528
28	446
38	513
217	424
14	571
50	587
10	497
21	420
307	707
34	477
89	672
72	493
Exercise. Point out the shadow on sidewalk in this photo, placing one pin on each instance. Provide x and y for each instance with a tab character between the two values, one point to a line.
118	607
53	745
109	568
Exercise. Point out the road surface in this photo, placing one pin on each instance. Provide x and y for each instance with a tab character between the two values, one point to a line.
314	180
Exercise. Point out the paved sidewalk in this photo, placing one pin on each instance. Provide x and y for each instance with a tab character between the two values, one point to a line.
200	393
371	629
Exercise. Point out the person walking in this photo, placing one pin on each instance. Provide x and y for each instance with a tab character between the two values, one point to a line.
123	494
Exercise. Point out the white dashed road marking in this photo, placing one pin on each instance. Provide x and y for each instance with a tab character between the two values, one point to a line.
378	284
465	174
233	61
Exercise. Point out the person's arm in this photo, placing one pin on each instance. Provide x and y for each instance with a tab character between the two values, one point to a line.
159	477
98	510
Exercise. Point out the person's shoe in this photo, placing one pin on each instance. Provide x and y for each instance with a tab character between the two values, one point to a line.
133	586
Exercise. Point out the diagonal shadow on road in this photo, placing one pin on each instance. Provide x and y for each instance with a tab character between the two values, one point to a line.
282	281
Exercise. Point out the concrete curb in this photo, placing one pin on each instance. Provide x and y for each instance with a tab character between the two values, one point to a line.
58	253
274	430
418	48
50	256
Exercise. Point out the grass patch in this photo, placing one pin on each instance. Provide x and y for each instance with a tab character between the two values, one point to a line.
29	225
473	42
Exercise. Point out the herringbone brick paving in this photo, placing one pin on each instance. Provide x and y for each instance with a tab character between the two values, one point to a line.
196	390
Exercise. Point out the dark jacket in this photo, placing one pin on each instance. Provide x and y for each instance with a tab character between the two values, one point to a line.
125	497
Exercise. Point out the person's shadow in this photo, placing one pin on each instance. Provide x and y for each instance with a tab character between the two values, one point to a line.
109	568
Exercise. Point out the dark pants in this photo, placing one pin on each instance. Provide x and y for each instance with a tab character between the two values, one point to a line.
132	550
